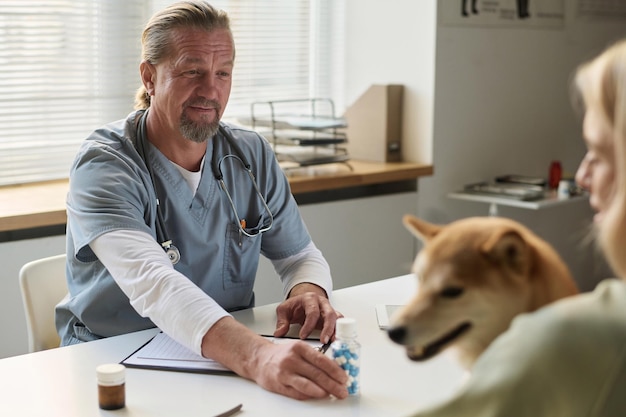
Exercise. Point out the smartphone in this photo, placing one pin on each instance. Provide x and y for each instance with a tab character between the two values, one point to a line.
384	312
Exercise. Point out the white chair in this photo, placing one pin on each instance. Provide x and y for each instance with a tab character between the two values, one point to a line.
43	285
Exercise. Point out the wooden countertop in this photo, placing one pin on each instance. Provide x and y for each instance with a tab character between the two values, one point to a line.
43	204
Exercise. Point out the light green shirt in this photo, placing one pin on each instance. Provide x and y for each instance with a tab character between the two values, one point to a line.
565	360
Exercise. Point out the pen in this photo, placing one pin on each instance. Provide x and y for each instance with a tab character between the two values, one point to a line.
230	412
323	348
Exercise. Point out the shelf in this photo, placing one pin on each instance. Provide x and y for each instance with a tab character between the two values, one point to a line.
43	204
305	159
310	122
550	200
337	176
305	138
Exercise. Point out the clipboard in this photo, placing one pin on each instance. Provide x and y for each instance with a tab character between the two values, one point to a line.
165	354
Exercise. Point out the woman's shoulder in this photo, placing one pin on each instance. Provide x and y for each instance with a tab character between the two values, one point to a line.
595	317
606	303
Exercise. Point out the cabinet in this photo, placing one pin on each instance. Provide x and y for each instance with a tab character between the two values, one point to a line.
303	132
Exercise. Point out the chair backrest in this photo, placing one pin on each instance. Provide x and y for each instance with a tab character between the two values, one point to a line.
43	285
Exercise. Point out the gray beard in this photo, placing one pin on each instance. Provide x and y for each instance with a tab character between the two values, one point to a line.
195	132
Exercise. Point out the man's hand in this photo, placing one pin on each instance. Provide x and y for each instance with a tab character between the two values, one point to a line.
308	306
299	371
296	369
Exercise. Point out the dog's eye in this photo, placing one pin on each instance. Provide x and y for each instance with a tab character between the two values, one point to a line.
452	292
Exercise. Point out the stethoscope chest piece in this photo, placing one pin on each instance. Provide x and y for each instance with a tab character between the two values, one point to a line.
171	251
174	254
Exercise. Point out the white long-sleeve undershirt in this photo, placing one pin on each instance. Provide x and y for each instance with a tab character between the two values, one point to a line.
176	305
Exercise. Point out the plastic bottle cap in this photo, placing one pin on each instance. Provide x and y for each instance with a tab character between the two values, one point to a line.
345	327
111	374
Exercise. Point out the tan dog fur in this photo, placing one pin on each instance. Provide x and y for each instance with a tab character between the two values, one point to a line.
475	275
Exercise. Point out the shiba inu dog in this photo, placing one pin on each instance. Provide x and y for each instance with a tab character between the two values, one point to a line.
475	275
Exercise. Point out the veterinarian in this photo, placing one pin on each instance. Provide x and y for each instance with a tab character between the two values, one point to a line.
569	359
170	209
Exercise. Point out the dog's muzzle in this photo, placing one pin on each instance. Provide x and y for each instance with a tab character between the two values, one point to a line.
399	335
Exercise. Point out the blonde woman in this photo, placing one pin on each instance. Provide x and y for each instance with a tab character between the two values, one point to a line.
569	359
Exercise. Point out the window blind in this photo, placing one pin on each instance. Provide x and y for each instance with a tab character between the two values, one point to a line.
70	66
286	49
66	67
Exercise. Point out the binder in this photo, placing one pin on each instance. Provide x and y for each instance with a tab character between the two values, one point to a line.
374	121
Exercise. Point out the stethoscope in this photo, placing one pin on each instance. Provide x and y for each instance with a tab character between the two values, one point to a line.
173	253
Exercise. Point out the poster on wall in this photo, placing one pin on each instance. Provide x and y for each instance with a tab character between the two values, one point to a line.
509	13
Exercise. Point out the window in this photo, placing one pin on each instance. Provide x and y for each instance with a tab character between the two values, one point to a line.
69	66
66	67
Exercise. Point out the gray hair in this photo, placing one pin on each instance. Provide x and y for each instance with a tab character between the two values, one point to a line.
156	40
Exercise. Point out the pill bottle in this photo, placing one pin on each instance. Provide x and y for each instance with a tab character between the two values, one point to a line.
111	386
564	190
346	351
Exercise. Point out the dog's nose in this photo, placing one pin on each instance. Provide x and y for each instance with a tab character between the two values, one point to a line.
397	334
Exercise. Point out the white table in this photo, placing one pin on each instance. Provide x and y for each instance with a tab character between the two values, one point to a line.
61	382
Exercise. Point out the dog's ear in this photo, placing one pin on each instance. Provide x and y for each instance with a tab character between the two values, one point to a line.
507	246
420	228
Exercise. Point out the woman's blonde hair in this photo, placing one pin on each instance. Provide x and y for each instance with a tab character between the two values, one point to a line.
155	40
602	85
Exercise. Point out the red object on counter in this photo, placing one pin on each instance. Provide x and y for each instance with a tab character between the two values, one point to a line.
555	175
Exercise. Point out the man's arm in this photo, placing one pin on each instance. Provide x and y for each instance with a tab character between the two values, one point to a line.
155	289
186	313
305	267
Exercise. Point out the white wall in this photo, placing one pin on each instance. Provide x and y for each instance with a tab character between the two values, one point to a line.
393	42
480	102
363	240
502	105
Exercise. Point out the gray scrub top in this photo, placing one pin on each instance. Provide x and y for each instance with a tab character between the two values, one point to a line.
111	189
